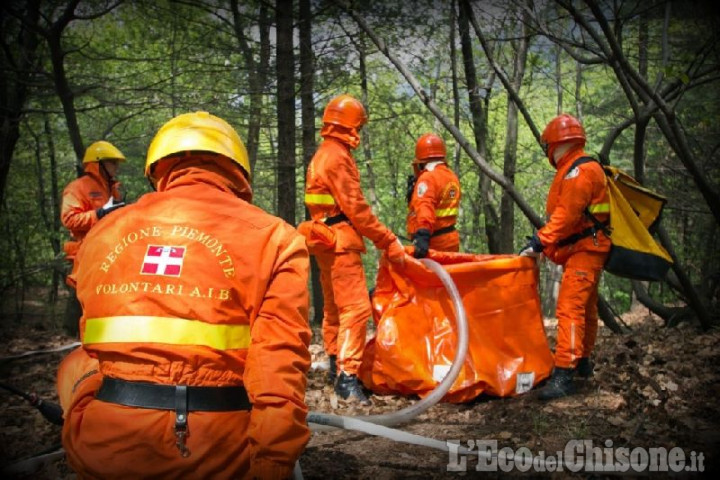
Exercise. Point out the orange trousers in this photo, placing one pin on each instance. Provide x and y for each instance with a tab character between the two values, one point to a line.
347	308
448	242
78	374
577	311
93	429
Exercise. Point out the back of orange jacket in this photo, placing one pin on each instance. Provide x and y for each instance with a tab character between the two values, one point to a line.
333	187
434	205
194	286
572	191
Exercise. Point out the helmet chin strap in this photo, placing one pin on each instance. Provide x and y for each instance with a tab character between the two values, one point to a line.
105	171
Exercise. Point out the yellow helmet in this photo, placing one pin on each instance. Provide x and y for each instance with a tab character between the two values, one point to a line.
102	150
198	131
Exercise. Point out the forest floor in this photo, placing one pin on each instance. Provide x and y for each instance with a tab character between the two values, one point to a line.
653	387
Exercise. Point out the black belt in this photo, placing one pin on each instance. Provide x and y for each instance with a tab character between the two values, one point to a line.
166	397
443	231
336	219
576	237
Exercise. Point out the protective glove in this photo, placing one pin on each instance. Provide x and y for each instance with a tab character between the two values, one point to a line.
421	240
108	207
411	180
533	248
396	253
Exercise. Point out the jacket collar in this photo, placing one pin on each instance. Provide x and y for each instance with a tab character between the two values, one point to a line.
350	137
570	156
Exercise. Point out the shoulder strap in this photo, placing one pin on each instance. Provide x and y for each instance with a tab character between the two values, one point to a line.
582	160
597	224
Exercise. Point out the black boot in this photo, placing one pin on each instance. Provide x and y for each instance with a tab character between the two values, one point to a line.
349	388
332	369
559	385
585	368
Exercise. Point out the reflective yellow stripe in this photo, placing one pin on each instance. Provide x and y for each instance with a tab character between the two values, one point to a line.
446	212
173	331
599	208
319	198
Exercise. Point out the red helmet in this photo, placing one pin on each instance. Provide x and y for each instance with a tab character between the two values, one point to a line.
428	148
563	128
346	111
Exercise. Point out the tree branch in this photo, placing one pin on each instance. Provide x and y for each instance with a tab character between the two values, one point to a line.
486	168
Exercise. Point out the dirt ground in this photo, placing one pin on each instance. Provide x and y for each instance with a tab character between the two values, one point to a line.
653	387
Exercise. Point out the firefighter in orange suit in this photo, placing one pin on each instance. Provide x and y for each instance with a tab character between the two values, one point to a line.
92	196
572	238
333	195
195	305
85	201
434	199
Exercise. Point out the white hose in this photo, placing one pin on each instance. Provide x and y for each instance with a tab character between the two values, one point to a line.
31	465
323	422
378	424
40	352
350	423
297	471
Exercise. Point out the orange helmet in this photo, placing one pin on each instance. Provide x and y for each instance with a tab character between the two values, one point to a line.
346	111
563	128
429	147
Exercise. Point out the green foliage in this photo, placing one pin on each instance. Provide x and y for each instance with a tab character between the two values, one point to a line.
137	66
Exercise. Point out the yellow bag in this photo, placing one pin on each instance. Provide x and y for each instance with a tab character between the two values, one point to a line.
319	237
634	213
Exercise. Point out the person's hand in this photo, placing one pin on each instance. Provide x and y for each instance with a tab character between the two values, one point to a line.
396	253
533	248
421	240
109	206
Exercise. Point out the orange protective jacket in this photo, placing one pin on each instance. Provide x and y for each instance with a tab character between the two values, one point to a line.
332	187
571	192
81	198
434	205
194	286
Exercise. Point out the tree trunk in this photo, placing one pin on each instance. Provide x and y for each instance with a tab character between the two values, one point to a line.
48	209
365	137
558	80
16	74
307	86
60	80
550	288
285	111
670	315
257	72
693	299
58	273
608	316
479	118
455	88
507	206
636	86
